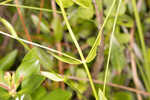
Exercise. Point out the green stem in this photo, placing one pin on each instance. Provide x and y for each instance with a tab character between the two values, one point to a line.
79	50
110	47
4	2
30	7
140	31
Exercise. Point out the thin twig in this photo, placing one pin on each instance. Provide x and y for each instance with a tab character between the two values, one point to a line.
100	55
112	85
40	17
133	65
58	44
23	23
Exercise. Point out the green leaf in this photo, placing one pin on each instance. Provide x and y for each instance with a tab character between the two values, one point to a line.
5	79
12	31
66	3
58	28
83	3
123	38
1	75
24	97
101	95
58	94
7	61
4	95
86	13
39	94
125	20
29	66
44	26
66	59
52	76
91	41
117	58
44	58
81	73
92	53
122	96
121	11
31	83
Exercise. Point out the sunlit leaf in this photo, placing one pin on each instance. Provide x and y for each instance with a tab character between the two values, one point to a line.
52	76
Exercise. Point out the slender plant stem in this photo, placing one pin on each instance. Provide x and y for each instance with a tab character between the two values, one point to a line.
112	85
140	31
29	7
110	47
79	50
38	45
40	17
4	2
58	45
23	23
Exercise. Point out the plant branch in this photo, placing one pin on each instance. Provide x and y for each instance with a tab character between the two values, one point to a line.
79	50
40	17
133	65
23	23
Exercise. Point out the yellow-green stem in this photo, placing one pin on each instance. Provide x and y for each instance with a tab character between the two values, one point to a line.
79	50
110	47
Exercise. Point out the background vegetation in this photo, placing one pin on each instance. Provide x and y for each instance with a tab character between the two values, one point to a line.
74	50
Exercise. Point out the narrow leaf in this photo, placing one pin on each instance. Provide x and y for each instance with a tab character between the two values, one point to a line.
67	59
52	76
92	53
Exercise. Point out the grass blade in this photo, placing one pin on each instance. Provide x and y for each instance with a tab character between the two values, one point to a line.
110	46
